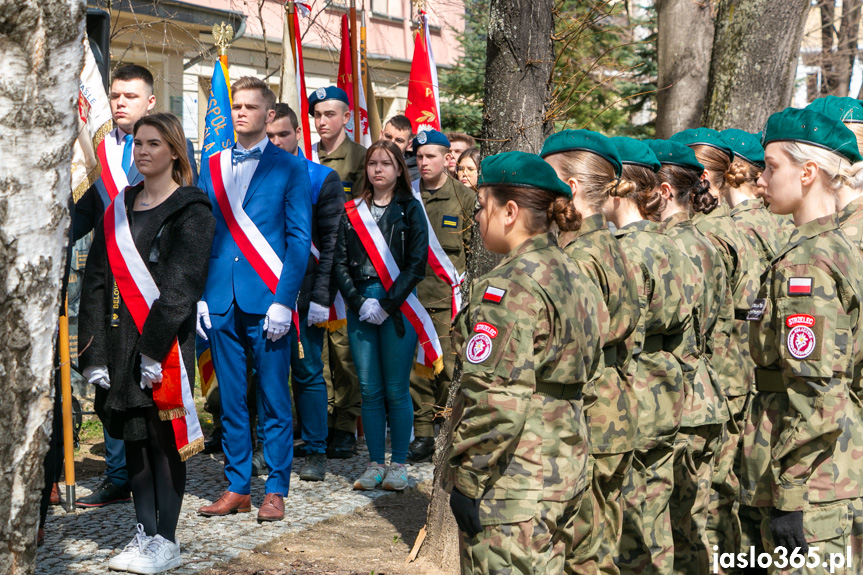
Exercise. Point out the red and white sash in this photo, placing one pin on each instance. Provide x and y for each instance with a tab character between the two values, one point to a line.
255	247
430	354
111	157
438	260
173	395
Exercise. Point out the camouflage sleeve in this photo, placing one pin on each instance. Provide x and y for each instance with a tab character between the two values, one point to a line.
812	339
497	381
592	270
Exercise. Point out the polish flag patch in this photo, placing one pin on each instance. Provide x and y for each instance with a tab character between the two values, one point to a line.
800	286
493	294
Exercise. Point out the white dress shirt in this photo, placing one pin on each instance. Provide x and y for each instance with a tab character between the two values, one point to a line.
243	171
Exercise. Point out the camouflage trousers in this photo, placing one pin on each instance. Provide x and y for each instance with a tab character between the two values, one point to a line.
832	528
429	394
750	530
650	548
723	520
602	510
694	458
538	545
633	555
343	385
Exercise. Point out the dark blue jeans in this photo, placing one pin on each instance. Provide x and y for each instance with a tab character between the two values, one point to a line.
115	461
383	361
309	387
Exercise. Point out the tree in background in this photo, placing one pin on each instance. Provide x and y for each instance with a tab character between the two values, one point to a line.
40	63
463	85
755	51
838	45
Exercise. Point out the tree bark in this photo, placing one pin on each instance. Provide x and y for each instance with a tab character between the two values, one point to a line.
40	61
520	58
755	53
684	44
827	14
849	30
517	92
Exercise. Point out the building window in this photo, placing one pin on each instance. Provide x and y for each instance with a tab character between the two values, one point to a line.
380	7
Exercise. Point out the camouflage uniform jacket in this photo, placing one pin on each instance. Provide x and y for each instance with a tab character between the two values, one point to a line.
759	228
705	401
348	160
803	441
610	402
450	211
530	338
743	275
850	221
657	374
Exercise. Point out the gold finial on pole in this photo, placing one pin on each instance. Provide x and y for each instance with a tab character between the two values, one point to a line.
223	33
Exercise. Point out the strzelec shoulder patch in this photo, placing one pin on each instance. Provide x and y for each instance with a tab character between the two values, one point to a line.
801	337
478	348
486	328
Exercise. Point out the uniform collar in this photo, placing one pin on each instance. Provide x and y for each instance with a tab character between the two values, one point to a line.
717	212
592	224
852	208
445	192
537	242
808	231
340	153
680	218
639	226
746	206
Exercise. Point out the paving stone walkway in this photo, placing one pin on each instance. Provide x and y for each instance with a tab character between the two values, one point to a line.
81	542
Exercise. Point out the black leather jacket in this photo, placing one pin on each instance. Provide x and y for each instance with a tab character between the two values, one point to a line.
404	226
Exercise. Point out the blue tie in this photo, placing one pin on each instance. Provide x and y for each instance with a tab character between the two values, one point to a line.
127	153
238	156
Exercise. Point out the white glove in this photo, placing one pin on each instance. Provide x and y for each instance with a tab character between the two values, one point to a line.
278	321
317	314
203	320
151	371
375	314
98	375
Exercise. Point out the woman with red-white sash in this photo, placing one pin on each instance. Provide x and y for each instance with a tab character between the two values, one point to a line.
145	273
381	255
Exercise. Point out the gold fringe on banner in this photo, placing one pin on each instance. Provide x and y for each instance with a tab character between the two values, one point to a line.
191	449
169	414
334	325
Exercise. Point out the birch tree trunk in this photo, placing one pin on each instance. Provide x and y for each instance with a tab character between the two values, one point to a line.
40	61
517	92
684	44
755	51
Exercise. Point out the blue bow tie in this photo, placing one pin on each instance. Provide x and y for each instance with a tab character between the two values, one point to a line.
238	156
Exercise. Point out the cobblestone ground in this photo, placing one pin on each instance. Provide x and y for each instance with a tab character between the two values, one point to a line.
81	542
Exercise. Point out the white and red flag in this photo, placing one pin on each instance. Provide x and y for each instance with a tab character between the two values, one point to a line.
423	108
94	123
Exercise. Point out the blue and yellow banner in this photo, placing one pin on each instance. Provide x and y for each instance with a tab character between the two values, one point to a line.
218	128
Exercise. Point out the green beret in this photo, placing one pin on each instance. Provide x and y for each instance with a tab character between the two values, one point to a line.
522	170
745	145
810	127
582	140
636	152
846	110
675	154
324	94
703	137
430	137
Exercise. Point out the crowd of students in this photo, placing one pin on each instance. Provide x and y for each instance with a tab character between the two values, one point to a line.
663	368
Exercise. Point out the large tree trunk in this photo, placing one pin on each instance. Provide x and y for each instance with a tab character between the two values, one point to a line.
684	44
846	52
755	51
517	93
40	61
519	62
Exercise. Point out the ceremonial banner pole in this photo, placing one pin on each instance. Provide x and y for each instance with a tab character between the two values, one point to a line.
358	126
66	391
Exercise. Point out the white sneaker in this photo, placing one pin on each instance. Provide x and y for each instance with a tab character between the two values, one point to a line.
159	555
132	549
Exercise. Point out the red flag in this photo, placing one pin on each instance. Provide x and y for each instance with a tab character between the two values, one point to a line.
346	83
423	107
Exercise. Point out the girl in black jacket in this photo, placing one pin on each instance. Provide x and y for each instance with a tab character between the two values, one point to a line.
383	343
172	227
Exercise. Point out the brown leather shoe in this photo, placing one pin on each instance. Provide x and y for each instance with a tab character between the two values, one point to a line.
273	508
55	495
229	502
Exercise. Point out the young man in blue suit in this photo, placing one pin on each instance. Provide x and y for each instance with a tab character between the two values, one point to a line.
261	202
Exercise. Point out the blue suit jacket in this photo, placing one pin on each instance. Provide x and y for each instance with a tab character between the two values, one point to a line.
279	203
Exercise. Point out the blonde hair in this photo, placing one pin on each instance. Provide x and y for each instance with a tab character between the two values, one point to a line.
596	177
252	83
837	168
857	128
742	172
